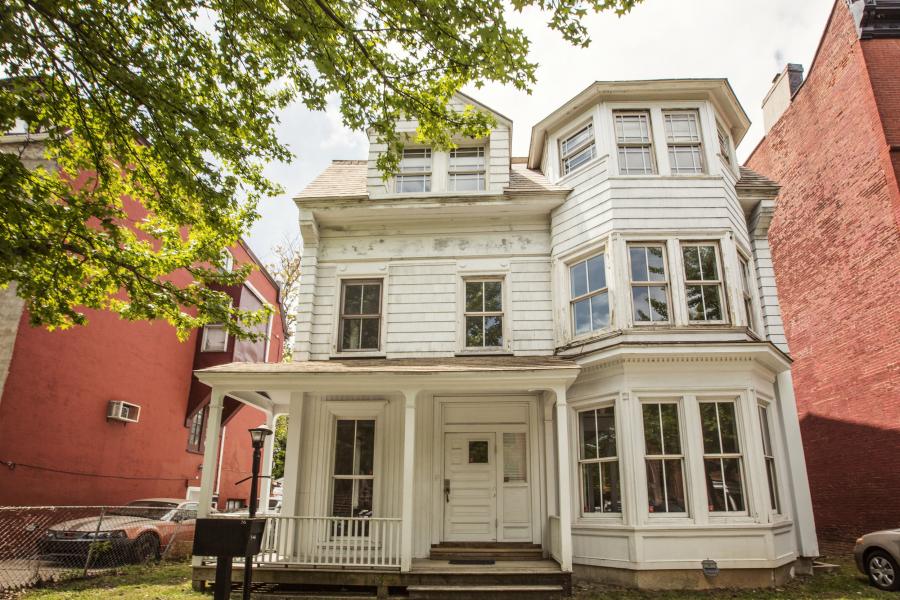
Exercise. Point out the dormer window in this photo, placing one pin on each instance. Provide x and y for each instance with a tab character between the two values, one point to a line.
683	140
415	171
633	142
577	149
466	169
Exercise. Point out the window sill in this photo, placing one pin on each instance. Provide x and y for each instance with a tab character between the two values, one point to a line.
345	355
572	174
485	352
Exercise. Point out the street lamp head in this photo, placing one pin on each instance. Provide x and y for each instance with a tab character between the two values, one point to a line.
259	434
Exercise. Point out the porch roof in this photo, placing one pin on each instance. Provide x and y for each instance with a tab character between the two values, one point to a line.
452	364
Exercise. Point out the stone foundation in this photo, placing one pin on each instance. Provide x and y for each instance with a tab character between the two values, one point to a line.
684	579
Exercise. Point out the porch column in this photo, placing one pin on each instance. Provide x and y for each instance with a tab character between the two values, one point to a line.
563	472
291	488
210	452
268	450
409	454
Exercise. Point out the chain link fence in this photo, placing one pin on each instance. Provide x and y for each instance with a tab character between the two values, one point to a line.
40	544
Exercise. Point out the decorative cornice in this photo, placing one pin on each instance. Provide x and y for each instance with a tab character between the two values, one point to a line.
878	19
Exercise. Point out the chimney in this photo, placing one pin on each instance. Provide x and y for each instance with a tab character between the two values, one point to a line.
784	86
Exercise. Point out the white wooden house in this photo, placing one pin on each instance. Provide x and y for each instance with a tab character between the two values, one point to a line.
575	357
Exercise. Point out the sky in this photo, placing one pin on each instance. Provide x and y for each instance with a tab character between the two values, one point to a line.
747	41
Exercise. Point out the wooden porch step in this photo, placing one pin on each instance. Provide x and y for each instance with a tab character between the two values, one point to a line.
465	552
456	592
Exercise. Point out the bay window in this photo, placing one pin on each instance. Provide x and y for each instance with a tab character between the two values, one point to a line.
683	141
722	458
649	283
577	149
746	294
703	282
360	324
769	457
633	143
590	296
665	458
598	461
353	478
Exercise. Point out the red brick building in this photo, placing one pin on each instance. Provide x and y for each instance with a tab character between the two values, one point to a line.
57	444
833	144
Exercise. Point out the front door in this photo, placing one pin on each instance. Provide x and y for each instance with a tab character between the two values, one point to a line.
470	487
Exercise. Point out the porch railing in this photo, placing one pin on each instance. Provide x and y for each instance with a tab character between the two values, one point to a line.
555	539
331	542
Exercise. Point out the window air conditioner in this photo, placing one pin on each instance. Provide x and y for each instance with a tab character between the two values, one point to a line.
123	411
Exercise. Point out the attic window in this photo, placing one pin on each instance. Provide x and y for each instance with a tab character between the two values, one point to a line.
415	171
467	169
577	149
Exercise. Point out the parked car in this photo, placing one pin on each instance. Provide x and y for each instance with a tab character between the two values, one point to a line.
132	533
878	556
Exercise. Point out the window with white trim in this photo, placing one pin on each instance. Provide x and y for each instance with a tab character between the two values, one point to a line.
703	282
227	261
665	458
215	338
598	461
414	174
749	313
722	458
353	479
484	313
590	296
195	433
360	326
577	149
683	141
466	170
724	143
769	457
634	143
649	283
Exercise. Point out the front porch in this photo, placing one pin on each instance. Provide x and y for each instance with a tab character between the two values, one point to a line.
386	459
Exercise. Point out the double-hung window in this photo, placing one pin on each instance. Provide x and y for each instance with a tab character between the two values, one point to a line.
360	327
353	481
599	462
577	149
722	457
633	143
195	433
466	169
484	313
724	143
649	283
665	458
590	297
769	456
703	282
415	171
747	295
683	141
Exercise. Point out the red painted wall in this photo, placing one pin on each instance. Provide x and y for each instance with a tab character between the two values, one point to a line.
835	241
53	425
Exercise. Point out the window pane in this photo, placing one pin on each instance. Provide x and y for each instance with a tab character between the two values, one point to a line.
685	159
369	334
668	414
411	184
493	331
728	427
652	431
665	486
606	432
638	259
350	338
710	428
582	316
655	263
578	275
592	498
612	501
764	427
708	266
712	302
734	488
467	159
588	422
514	457
600	311
216	338
596	273
773	484
635	160
632	129
640	298
342	502
474	296
467	182
493	297
371	299
343	449
573	162
365	447
353	299
695	302
675	485
478	452
682	127
363	508
474	332
579	138
691	263
659	303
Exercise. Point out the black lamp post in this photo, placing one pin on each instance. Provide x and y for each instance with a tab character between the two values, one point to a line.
258	437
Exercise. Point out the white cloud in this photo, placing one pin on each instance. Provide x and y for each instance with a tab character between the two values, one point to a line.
746	41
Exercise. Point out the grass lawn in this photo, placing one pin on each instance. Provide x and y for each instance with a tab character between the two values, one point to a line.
172	582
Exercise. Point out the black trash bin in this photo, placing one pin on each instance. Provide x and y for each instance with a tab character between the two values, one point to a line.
226	538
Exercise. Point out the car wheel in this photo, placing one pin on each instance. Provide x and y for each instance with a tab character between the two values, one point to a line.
146	548
883	571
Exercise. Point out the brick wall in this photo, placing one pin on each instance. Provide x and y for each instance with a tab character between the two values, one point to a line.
835	245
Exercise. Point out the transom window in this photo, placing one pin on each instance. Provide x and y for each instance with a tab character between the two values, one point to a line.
484	313
414	175
577	149
683	141
769	456
649	283
360	315
633	143
354	473
749	313
599	462
703	282
590	297
724	143
722	457
466	169
665	458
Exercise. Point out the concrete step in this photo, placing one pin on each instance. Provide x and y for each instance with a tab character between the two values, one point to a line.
486	592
